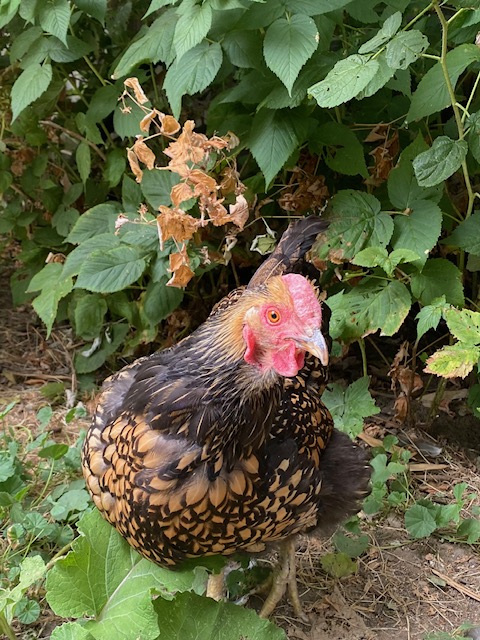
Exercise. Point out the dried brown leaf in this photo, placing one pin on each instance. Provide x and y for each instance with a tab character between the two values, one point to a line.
230	181
169	125
144	153
204	184
134	166
176	224
148	119
216	211
181	277
133	83
239	212
180	192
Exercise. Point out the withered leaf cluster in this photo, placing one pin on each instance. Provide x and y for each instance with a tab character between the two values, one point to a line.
207	175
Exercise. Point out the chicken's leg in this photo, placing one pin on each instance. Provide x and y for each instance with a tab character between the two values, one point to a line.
284	576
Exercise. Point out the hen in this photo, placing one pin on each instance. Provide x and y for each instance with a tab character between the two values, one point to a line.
222	443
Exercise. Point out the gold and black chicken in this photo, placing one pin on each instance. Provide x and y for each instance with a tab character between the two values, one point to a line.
221	443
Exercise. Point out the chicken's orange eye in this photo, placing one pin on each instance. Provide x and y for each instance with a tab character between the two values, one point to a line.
273	316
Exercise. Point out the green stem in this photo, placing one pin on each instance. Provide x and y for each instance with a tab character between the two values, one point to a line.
361	344
453	101
5	628
418	16
77	136
470	98
92	67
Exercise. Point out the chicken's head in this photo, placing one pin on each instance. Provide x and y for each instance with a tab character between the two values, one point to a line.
282	324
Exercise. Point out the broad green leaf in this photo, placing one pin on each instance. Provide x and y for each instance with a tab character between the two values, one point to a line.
467	235
315	7
86	362
378	257
346	80
273	139
432	93
156	186
89	316
54	17
428	317
440	161
473	136
419	522
104	578
343	150
338	565
54	286
159	301
97	220
32	569
350	406
453	361
155	5
71	631
371	306
192	26
379	80
288	44
243	49
75	259
111	270
469	528
464	325
29	86
156	44
191	616
95	8
403	188
357	222
84	160
353	547
405	48
419	230
102	103
115	167
194	72
8	10
439	277
388	30
127	122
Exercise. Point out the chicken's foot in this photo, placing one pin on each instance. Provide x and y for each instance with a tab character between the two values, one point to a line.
285	576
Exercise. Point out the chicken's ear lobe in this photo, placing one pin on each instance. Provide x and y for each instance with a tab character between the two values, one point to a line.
251	353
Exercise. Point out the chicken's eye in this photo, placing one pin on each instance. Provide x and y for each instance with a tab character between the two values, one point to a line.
273	316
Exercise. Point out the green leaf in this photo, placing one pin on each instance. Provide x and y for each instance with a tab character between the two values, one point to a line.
352	547
75	259
388	30
349	407
86	362
439	277
347	78
84	161
89	316
357	222
243	49
32	569
94	8
453	361
273	139
419	522
440	161
430	316
287	46
464	325
405	48
379	80
194	72
432	93
159	301
338	565
343	150
371	306
54	17
53	451
97	220
71	631
54	286
115	167
467	235
156	187
418	231
29	86
473	135
193	25
102	577
127	122
27	611
111	270
469	528
191	616
378	257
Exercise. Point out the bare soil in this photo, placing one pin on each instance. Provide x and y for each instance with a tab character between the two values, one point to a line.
403	589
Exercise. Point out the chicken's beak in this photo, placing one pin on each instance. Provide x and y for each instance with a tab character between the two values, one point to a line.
316	345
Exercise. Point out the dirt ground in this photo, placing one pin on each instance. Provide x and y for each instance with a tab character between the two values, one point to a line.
403	589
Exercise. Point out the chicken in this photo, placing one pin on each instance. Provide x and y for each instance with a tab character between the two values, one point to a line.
221	443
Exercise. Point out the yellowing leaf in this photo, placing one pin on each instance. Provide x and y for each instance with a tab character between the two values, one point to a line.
453	361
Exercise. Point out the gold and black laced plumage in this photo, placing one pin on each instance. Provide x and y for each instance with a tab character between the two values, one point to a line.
191	452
